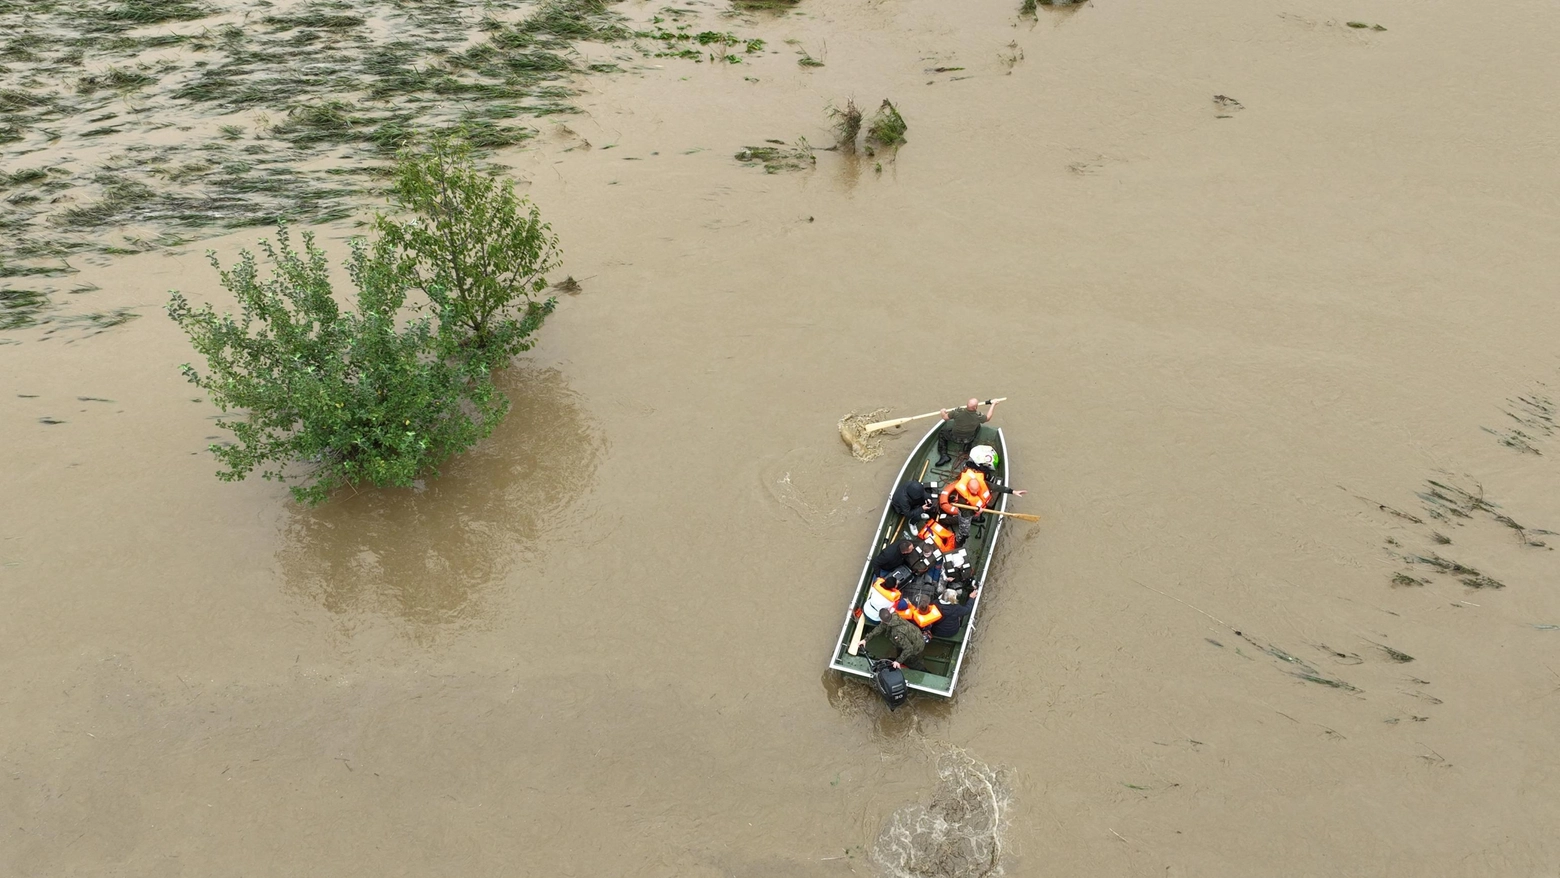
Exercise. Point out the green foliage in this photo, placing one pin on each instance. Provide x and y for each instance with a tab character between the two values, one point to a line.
355	396
326	396
847	124
887	127
140	12
479	251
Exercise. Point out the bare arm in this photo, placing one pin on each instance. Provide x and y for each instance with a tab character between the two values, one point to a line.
991	411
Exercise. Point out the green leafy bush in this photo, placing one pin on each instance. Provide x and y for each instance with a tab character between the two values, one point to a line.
325	396
479	251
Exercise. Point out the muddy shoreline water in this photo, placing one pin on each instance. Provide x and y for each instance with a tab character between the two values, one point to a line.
1228	342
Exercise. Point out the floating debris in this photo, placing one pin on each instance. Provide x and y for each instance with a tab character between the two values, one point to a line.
776	159
863	446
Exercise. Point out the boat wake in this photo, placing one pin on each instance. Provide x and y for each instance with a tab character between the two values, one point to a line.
959	833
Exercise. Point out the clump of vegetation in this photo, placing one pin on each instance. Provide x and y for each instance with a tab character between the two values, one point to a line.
1396	655
23	177
139	12
764	5
574	20
327	397
324	122
887	128
781	157
847	125
1326	681
19	308
115	78
479	251
1535	416
1362	25
1403	579
317	18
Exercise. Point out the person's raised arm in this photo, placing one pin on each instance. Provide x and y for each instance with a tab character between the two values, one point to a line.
992	410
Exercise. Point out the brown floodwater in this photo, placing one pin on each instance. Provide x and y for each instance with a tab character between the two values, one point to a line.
1236	337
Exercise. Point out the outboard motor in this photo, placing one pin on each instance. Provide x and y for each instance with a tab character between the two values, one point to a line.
890	682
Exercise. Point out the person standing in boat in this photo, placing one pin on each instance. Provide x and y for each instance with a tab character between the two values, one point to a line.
905	637
959	429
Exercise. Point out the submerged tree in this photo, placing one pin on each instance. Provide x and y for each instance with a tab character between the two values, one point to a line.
478	251
376	393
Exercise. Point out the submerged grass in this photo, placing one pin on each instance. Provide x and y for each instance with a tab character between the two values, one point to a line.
141	12
887	128
779	158
19	308
333	86
847	125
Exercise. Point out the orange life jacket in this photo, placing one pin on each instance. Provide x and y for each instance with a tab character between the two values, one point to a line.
889	594
923	620
971	489
942	537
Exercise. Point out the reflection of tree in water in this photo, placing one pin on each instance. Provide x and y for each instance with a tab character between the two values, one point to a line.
425	556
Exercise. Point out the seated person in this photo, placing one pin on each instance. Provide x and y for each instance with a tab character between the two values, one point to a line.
894	555
958	572
941	533
912	501
950	614
885	592
920	590
983	459
968	489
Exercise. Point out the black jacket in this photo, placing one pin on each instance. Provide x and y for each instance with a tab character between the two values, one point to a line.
952	617
890	558
909	498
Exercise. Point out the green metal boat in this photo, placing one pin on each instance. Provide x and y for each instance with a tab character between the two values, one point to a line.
944	656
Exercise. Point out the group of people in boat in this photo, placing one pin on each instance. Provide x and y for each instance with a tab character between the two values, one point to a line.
924	584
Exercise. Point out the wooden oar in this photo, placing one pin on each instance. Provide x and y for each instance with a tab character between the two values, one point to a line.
855	637
895	422
1023	515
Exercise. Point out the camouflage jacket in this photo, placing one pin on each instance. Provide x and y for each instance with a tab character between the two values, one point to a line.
904	635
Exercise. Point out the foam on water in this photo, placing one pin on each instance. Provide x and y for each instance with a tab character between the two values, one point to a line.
958	834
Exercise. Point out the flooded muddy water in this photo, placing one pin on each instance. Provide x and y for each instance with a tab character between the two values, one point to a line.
1240	339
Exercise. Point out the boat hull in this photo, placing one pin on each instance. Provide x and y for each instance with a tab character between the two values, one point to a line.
944	657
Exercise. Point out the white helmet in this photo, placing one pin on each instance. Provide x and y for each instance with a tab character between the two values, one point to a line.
983	455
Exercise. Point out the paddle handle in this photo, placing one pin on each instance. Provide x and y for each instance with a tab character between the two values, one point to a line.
1023	515
895	422
855	637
